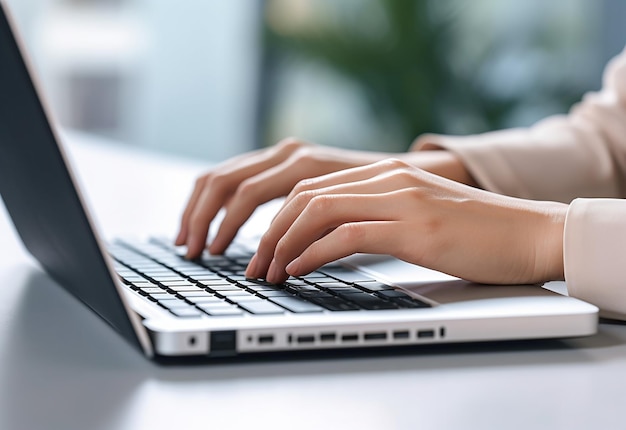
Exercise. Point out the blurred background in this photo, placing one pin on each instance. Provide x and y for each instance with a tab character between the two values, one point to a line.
210	79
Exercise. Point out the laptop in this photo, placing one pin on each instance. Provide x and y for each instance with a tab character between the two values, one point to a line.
167	306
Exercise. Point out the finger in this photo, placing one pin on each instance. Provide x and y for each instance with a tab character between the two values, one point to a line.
373	237
346	176
216	190
288	214
321	215
270	184
191	204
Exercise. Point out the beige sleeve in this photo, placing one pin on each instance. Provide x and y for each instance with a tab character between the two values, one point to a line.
582	154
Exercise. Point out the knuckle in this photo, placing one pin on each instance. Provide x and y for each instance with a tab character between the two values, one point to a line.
304	154
303	198
395	163
303	185
352	233
196	220
218	182
320	204
246	189
290	144
414	193
281	250
201	181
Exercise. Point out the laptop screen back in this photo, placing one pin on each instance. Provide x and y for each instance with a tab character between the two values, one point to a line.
40	195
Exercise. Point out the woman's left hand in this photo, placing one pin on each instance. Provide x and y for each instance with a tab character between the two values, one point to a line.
393	208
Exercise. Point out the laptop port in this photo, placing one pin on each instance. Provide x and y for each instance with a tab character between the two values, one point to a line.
401	334
308	338
267	338
328	337
352	337
375	336
425	334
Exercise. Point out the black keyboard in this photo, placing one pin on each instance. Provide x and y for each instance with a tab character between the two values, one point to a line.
216	286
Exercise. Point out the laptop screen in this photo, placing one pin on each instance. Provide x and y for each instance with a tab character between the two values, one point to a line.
40	195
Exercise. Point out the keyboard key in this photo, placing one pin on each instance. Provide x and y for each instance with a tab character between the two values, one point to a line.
370	302
188	294
334	304
223	288
178	284
232	293
393	294
186	313
347	275
152	290
320	279
176	303
402	299
261	307
272	293
167	278
162	296
189	288
341	290
240	299
206	301
224	312
297	305
214	304
373	286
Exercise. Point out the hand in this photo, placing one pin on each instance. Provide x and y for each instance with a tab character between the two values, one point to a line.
243	183
391	207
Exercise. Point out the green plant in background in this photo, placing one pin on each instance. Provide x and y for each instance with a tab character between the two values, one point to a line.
400	54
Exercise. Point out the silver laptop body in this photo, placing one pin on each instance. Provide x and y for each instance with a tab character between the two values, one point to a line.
40	193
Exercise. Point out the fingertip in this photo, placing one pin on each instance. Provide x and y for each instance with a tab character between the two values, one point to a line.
294	267
194	247
276	275
251	270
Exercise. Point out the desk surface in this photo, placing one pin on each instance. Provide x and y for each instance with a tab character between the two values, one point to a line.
63	368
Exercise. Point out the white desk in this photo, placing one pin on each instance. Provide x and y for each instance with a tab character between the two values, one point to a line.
61	367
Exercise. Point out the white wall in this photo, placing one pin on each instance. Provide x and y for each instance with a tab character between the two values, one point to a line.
177	76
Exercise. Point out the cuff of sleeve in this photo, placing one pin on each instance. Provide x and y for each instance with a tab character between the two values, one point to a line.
594	254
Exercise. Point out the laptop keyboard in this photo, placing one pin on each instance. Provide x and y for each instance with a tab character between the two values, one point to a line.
216	286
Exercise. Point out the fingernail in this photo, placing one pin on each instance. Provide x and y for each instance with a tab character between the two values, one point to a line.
273	274
293	267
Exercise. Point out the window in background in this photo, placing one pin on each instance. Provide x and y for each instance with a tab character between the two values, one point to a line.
211	78
175	76
377	73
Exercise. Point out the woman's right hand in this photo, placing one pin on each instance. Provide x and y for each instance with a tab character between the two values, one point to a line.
241	184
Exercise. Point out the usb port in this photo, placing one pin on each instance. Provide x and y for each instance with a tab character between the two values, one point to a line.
375	336
267	338
349	337
402	334
421	334
306	338
328	337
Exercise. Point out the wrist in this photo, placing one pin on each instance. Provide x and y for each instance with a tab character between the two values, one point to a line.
549	242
